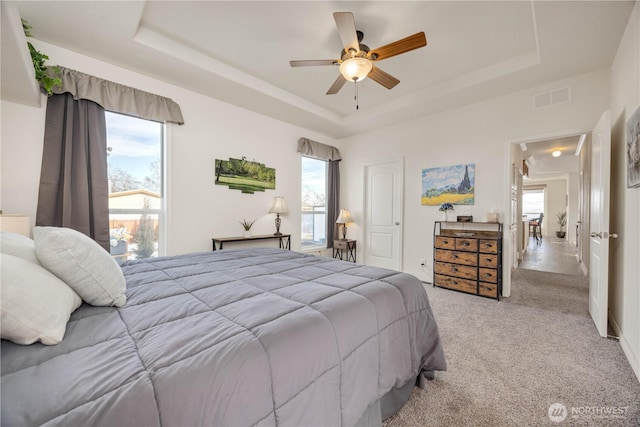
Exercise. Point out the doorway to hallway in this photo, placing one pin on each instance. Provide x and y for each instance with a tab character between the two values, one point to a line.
553	255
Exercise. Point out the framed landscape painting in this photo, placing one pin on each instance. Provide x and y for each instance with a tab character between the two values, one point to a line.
449	184
633	150
244	175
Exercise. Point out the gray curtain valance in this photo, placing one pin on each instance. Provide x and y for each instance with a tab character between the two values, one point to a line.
318	150
116	97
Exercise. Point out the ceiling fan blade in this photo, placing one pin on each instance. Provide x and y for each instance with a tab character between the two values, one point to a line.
347	30
312	62
407	44
385	79
337	85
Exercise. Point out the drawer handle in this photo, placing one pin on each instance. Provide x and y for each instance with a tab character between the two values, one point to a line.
488	259
455	282
488	275
454	269
455	256
465	243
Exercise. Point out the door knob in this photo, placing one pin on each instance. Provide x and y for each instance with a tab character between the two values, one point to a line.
614	235
397	223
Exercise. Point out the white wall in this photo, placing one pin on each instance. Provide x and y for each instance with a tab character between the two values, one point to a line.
555	202
480	133
624	292
197	209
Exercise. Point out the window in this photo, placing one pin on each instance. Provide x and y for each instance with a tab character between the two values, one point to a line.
135	165
314	206
532	202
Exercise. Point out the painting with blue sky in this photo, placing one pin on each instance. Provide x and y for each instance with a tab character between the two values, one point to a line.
449	184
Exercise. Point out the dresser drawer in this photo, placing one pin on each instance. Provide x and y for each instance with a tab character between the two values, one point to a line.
445	242
464	285
488	275
457	270
466	258
490	261
470	245
488	289
489	246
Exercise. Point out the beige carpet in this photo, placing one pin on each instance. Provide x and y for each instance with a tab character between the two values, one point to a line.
510	360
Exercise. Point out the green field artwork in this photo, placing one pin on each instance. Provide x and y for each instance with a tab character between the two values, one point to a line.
244	175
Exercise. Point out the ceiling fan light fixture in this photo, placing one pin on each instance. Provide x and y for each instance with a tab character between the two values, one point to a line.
355	69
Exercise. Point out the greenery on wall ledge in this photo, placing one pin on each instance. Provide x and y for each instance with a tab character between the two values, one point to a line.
46	82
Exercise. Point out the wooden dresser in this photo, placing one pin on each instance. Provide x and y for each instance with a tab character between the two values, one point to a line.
467	257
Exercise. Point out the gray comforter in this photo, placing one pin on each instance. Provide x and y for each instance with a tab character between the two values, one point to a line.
260	337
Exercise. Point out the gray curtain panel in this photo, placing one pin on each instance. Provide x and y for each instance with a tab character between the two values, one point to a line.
116	97
333	204
318	150
74	190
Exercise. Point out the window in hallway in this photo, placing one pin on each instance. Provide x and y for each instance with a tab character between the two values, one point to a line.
532	202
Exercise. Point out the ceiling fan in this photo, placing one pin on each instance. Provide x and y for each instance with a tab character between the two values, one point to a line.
356	59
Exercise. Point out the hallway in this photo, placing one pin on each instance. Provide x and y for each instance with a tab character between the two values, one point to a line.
552	255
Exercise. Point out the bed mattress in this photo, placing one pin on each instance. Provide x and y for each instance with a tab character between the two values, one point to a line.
257	337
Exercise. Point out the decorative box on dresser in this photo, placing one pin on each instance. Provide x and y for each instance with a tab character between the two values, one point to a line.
467	257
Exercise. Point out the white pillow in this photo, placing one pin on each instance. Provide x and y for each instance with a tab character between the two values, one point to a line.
35	304
82	264
18	245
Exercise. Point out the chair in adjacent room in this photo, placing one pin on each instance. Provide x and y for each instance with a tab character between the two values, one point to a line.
536	225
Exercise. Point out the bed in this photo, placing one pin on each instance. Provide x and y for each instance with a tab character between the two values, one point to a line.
253	337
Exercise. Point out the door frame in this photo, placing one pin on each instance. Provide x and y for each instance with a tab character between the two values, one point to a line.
365	231
506	244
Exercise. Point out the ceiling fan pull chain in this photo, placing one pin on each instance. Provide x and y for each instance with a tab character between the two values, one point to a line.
356	97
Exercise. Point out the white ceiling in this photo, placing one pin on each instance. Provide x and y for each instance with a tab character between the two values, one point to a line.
239	51
543	166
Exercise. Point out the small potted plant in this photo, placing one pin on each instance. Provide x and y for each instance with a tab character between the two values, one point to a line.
562	222
118	239
444	208
247	227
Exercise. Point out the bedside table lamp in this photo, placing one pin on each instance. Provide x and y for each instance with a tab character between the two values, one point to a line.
344	218
20	224
278	207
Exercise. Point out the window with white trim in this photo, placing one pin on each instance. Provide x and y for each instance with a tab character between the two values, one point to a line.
135	172
532	202
313	216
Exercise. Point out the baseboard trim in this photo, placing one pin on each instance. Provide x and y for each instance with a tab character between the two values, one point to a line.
632	358
584	269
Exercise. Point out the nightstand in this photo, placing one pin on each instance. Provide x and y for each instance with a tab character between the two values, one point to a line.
344	249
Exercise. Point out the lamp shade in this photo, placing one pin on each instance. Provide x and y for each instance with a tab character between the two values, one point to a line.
20	224
355	69
279	206
344	217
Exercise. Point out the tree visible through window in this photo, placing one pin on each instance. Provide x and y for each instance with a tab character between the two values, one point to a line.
134	148
314	203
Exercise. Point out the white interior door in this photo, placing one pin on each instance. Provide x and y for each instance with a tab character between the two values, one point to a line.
383	214
599	222
513	226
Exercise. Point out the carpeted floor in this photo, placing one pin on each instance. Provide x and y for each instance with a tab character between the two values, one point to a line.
509	361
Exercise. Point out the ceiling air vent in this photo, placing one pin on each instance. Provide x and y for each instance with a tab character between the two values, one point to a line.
552	97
